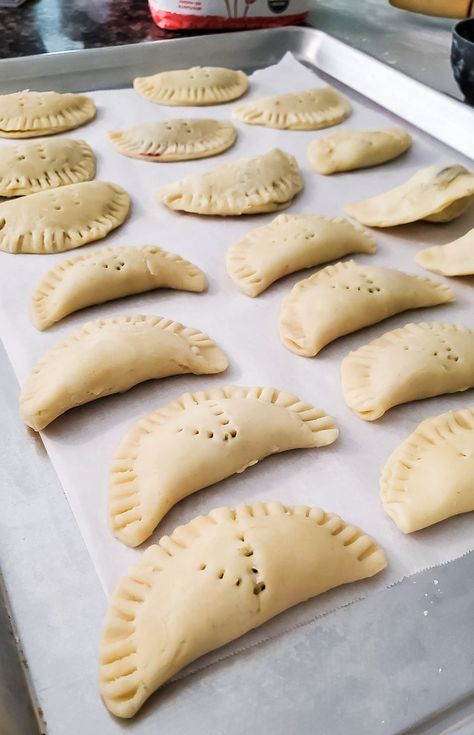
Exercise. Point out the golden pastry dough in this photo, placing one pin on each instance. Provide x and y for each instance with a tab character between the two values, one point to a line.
435	193
288	244
31	114
110	356
200	85
62	219
107	274
198	440
26	168
215	579
430	476
345	297
174	140
453	259
309	110
408	364
346	150
251	185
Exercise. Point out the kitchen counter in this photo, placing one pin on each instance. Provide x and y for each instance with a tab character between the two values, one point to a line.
415	44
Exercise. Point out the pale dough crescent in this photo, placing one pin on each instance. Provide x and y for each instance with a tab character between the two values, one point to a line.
198	440
107	274
407	364
311	109
435	193
213	580
111	356
32	166
62	219
430	476
346	150
32	114
453	259
252	185
289	243
200	85
174	140
345	297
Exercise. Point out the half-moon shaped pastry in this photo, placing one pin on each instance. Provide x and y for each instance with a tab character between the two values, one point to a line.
345	297
288	244
346	150
435	193
430	476
62	219
251	185
110	356
200	85
32	114
407	364
453	259
174	140
198	440
215	579
309	110
32	166
107	274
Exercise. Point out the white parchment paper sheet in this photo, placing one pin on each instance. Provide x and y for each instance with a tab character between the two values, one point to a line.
342	478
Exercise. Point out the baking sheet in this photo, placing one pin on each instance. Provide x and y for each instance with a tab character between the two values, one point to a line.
342	478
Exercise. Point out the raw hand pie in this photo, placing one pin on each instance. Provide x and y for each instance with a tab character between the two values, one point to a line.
215	579
288	244
106	274
346	150
309	110
251	185
62	219
174	140
111	356
31	114
453	259
345	297
200	85
436	194
26	168
198	440
407	364
430	476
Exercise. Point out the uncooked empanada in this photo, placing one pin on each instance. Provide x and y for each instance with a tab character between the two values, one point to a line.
346	150
250	185
62	219
288	244
175	140
453	259
215	579
200	85
435	193
107	274
309	110
26	168
430	476
31	114
110	356
407	364
198	440
345	297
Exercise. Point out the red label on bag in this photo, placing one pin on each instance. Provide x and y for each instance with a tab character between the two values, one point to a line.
226	14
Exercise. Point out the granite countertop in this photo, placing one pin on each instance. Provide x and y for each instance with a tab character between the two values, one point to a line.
42	26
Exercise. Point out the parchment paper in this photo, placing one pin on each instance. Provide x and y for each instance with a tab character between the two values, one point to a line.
342	478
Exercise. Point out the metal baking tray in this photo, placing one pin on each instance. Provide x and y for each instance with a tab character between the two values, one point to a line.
372	667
